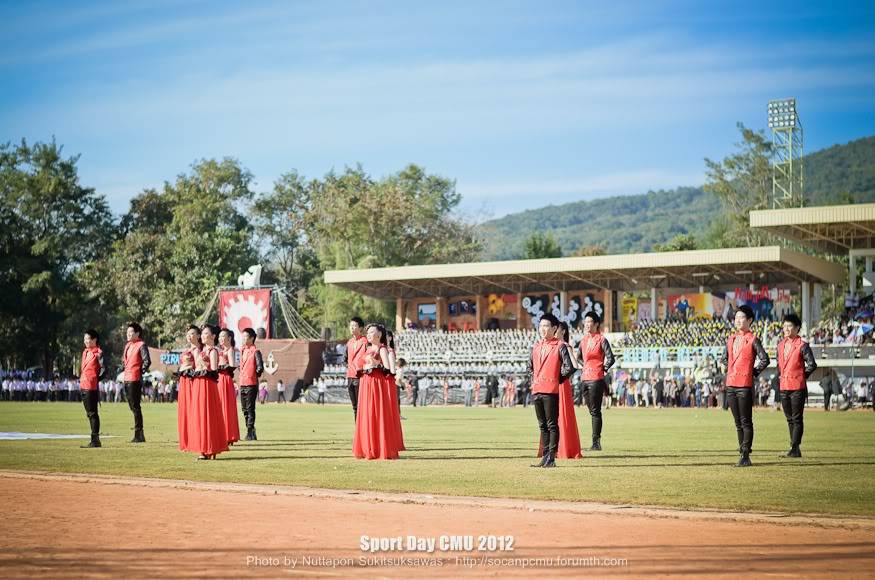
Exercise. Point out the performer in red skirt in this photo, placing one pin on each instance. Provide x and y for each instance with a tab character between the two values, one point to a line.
393	394
208	434
569	436
375	436
227	393
183	391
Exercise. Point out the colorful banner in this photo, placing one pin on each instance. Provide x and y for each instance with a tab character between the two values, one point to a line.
579	303
767	303
239	309
628	311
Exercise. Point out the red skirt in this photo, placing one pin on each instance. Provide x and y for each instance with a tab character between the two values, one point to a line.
207	433
228	398
396	410
375	434
569	437
182	393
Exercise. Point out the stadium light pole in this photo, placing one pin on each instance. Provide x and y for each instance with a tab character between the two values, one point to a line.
787	167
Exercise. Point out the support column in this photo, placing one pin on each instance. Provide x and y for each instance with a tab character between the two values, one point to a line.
806	307
868	264
817	302
441	307
519	311
563	302
400	314
852	274
654	305
608	322
480	303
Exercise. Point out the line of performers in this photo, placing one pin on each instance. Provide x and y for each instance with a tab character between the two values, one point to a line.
553	362
207	418
207	407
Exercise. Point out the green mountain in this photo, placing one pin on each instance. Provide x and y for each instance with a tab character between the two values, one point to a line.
635	223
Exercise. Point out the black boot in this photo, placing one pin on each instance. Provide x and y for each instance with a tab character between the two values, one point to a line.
542	462
549	461
95	442
744	461
138	437
254	436
794	452
596	445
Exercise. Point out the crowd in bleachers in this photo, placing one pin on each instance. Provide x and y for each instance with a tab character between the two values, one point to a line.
696	333
26	386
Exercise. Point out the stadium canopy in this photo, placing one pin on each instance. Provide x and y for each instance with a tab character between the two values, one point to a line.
623	272
837	229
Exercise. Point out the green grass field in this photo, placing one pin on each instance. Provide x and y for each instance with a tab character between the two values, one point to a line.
672	457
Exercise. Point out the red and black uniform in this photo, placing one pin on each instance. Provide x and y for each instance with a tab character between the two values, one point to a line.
596	357
795	364
744	359
136	362
251	368
92	370
548	367
227	393
356	351
183	394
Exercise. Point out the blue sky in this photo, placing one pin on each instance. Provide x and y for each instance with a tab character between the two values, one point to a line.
523	103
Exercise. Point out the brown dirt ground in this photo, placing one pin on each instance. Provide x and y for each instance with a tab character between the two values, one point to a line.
85	526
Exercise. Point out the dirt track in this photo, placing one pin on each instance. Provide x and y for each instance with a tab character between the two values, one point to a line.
102	527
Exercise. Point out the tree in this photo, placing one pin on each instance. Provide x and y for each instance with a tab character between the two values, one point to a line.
589	250
678	243
540	245
52	227
181	244
742	182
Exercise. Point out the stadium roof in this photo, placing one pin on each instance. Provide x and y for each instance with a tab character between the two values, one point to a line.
836	228
766	265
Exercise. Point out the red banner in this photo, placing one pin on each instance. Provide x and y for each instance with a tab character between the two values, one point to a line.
239	309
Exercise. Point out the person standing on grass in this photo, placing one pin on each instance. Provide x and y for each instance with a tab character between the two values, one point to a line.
548	366
597	358
251	368
356	349
569	437
795	364
92	369
744	359
280	392
136	363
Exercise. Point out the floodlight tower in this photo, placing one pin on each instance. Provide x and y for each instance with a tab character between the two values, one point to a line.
787	169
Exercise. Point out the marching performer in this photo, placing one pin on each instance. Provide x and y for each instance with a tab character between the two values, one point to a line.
136	362
184	415
375	435
795	364
211	433
356	349
548	367
597	357
227	393
251	368
744	359
91	371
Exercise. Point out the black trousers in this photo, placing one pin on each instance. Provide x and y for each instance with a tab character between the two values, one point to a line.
793	403
248	396
90	399
134	392
547	412
741	404
352	386
593	393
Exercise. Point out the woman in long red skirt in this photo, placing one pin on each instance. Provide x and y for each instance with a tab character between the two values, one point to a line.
375	435
227	394
569	436
209	421
183	390
393	394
